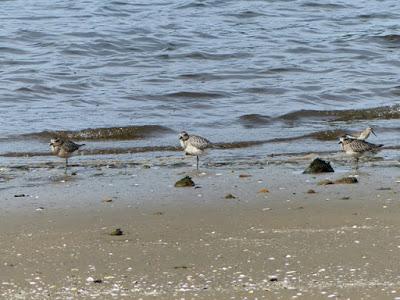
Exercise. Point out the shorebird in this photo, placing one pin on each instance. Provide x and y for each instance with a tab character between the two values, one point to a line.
64	148
193	145
357	148
363	135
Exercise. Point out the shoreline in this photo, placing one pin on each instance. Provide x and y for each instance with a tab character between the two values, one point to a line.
339	243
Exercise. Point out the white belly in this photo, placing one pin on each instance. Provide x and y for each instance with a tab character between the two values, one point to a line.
353	153
54	150
193	150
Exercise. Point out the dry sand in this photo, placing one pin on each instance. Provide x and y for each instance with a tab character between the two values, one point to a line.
342	242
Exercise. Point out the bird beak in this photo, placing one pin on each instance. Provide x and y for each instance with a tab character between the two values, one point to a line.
340	142
180	137
373	132
51	144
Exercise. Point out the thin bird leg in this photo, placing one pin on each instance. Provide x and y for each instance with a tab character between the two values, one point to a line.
197	158
66	164
357	163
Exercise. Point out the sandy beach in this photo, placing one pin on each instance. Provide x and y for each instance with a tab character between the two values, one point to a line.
270	84
272	238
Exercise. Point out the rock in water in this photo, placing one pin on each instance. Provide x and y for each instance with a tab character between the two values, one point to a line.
319	166
184	182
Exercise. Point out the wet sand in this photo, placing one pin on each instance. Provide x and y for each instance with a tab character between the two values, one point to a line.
192	243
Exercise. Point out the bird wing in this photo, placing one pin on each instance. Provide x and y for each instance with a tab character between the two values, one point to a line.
362	146
354	135
199	142
70	146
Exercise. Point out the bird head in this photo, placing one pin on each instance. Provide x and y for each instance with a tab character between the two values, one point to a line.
55	142
342	139
183	136
371	130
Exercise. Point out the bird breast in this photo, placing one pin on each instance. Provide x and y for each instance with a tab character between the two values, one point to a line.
63	153
54	149
189	149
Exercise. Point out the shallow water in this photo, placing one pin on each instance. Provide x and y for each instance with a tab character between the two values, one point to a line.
231	70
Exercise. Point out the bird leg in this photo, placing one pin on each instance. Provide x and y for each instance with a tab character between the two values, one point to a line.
356	162
66	164
197	159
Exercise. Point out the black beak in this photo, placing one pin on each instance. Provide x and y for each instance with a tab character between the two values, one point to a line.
180	137
373	132
51	144
340	142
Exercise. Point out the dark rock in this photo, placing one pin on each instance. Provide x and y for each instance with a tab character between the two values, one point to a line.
346	180
319	166
273	279
244	175
311	191
97	281
184	182
180	267
117	231
229	196
20	195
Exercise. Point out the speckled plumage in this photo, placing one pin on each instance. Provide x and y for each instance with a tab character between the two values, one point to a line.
353	146
64	148
357	148
194	144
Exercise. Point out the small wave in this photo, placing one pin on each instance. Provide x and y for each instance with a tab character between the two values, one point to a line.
194	4
377	16
383	113
282	70
254	120
108	133
10	50
246	14
269	90
205	55
195	95
326	135
323	5
390	40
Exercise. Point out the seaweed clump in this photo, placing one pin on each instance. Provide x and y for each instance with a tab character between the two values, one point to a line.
319	166
117	232
346	180
185	182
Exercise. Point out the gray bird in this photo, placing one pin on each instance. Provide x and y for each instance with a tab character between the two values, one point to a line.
64	148
194	145
357	148
362	135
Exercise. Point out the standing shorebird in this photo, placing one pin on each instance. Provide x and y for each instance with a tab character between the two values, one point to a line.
357	148
64	148
363	135
193	145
